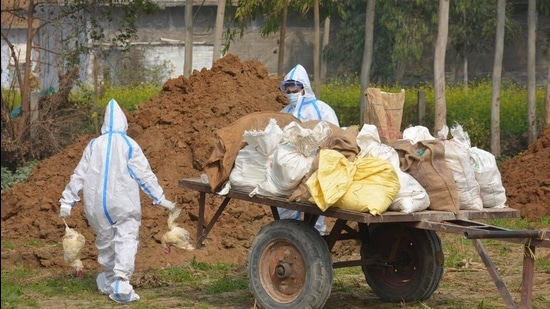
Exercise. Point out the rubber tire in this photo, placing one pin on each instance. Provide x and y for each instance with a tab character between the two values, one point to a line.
418	269
299	247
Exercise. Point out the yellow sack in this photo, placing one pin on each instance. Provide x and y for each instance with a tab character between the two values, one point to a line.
365	185
375	185
331	180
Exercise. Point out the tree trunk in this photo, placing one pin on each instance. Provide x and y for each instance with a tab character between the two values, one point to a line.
282	36
439	66
547	105
326	37
218	31
188	62
95	73
367	57
316	49
465	69
24	124
497	72
531	78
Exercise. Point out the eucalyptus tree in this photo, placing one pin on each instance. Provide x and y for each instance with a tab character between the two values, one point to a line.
403	31
532	19
472	28
218	30
544	10
367	56
274	15
497	77
439	66
188	63
413	27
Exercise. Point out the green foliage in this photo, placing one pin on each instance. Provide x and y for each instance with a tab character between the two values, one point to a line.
472	25
130	97
347	52
412	23
269	12
12	98
468	106
102	15
20	175
404	31
344	96
131	68
127	97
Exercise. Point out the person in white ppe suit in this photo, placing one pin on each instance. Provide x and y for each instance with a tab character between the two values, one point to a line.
304	105
110	174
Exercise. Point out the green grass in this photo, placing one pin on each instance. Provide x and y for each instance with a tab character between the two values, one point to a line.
203	285
227	283
212	279
21	281
11	290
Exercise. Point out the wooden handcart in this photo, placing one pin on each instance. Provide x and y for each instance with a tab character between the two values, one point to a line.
290	264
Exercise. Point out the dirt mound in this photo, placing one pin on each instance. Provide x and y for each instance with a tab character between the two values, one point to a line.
526	179
176	131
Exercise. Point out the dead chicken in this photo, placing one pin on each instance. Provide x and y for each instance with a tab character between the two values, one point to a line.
176	236
73	242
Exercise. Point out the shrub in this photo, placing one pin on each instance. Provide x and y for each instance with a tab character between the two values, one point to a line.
21	174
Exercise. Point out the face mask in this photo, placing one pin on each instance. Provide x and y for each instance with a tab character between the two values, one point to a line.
293	98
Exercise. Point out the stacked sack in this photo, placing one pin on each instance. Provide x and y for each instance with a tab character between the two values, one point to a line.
272	154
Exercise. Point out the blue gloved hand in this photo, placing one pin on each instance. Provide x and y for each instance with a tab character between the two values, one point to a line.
167	204
65	210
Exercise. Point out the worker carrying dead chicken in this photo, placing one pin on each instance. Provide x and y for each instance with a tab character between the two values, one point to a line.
110	173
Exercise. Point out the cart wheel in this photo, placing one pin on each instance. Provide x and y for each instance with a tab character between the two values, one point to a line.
414	272
289	266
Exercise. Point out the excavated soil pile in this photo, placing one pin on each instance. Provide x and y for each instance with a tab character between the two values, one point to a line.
176	130
526	179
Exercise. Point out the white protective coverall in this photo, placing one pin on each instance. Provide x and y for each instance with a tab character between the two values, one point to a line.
110	173
307	108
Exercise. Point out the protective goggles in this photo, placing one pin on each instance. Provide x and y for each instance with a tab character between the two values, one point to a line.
290	86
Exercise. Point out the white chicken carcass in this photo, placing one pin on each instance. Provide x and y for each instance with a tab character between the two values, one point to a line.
176	236
73	242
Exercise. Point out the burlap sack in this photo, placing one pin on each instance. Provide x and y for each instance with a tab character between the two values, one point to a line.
385	111
230	141
425	161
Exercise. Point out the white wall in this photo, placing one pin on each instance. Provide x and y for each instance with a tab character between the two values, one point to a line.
175	53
